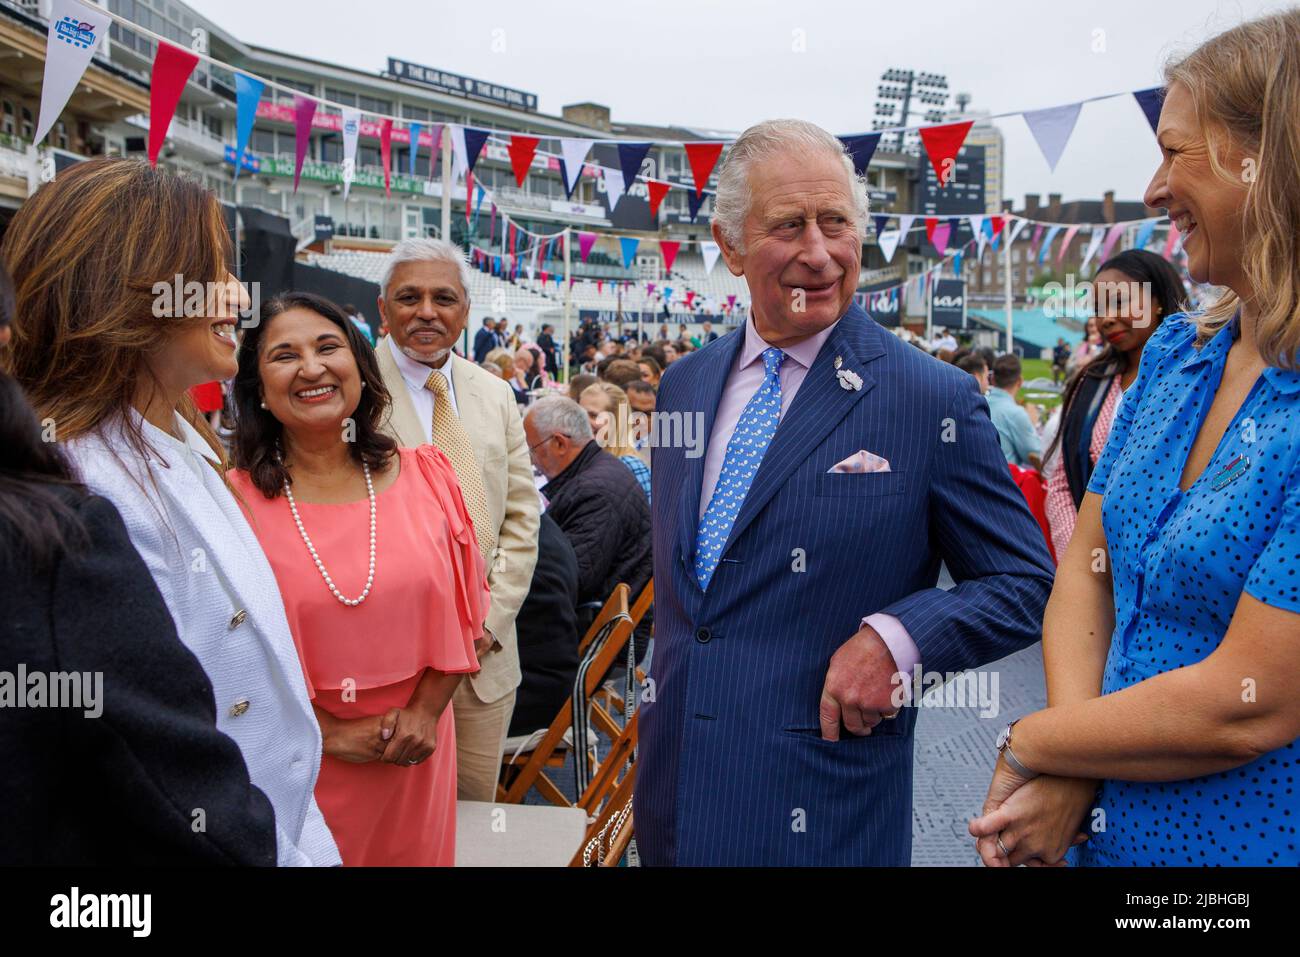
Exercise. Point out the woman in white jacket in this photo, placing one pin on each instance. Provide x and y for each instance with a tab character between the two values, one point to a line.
125	302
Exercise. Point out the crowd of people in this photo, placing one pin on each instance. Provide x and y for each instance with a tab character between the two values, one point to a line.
320	618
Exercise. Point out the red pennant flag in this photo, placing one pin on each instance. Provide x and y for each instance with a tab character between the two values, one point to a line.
669	249
386	153
513	237
931	223
658	191
172	67
690	297
522	149
942	144
703	157
600	286
997	222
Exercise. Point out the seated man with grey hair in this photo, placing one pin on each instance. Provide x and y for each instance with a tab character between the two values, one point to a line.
796	560
471	415
596	501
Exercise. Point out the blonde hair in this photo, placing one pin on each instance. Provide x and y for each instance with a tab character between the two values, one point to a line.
618	438
1245	87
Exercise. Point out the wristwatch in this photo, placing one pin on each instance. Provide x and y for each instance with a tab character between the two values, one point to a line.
1004	749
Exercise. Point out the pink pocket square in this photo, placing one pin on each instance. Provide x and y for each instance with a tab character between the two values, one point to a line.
862	461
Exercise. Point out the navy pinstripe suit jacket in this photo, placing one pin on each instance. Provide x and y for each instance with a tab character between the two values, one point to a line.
733	769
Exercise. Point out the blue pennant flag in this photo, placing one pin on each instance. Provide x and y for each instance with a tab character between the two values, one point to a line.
415	144
630	156
956	264
1151	101
248	91
861	148
668	293
694	202
1144	234
496	265
629	250
564	178
880	222
474	140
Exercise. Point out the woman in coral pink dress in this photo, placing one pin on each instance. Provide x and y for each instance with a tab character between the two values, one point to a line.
380	573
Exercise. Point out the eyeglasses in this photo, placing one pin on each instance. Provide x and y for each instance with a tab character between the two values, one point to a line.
547	439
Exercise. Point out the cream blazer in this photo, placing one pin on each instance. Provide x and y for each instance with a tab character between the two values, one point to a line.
496	432
222	595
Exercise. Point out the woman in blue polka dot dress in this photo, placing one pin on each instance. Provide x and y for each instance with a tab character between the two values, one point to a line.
1172	639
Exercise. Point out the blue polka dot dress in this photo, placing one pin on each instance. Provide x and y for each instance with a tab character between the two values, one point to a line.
1180	561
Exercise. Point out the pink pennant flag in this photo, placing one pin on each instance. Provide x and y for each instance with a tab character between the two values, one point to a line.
585	242
304	108
1112	237
1171	241
1065	243
436	132
386	153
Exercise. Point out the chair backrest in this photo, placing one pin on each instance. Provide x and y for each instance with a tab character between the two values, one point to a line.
643	602
615	605
618	629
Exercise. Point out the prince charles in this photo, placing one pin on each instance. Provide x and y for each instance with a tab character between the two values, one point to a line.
796	559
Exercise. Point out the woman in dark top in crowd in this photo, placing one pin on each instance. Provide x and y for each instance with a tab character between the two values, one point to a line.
127	766
1134	292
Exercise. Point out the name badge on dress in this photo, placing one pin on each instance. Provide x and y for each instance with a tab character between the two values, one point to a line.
1231	472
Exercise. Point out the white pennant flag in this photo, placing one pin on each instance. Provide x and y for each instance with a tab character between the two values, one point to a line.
532	262
888	243
710	250
575	155
905	224
1098	234
459	162
351	130
1052	128
1015	231
613	186
75	31
977	227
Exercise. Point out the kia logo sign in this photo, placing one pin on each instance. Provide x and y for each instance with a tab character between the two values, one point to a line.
948	302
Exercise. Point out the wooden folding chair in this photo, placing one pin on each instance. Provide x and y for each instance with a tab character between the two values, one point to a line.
609	835
609	704
526	770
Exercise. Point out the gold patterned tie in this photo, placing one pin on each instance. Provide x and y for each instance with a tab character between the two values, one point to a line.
450	436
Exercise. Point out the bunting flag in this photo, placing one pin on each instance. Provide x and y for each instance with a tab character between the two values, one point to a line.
600	286
1015	230
1033	243
1144	234
435	150
668	294
248	90
1112	237
386	155
1065	243
492	225
585	242
694	203
1052	129
861	149
658	190
880	222
474	141
983	231
649	289
304	108
351	131
703	157
75	32
1047	243
629	250
956	263
575	155
1094	244
888	243
172	67
469	188
613	186
669	250
1173	241
942	144
1151	101
414	130
938	233
710	251
522	149
630	156
731	301
905	224
690	297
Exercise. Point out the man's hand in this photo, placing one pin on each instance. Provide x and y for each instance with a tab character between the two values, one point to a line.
859	688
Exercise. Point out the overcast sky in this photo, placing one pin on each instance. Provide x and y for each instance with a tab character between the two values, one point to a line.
724	64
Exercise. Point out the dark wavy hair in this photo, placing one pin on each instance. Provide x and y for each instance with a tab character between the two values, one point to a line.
259	435
1168	298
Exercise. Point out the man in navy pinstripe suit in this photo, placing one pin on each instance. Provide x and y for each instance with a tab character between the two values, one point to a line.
796	559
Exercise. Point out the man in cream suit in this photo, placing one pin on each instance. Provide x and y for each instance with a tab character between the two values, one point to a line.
471	415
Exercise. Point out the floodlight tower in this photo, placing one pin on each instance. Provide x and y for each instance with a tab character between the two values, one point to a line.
896	93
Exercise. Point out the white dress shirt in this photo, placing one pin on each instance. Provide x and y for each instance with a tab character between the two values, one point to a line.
222	596
415	375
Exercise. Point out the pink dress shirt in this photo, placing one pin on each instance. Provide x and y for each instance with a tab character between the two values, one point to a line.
743	381
1061	513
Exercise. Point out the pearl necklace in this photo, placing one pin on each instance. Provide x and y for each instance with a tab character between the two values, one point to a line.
320	566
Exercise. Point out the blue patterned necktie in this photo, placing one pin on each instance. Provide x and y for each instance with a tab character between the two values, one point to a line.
754	431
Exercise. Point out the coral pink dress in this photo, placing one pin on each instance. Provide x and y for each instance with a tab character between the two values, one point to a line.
425	610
